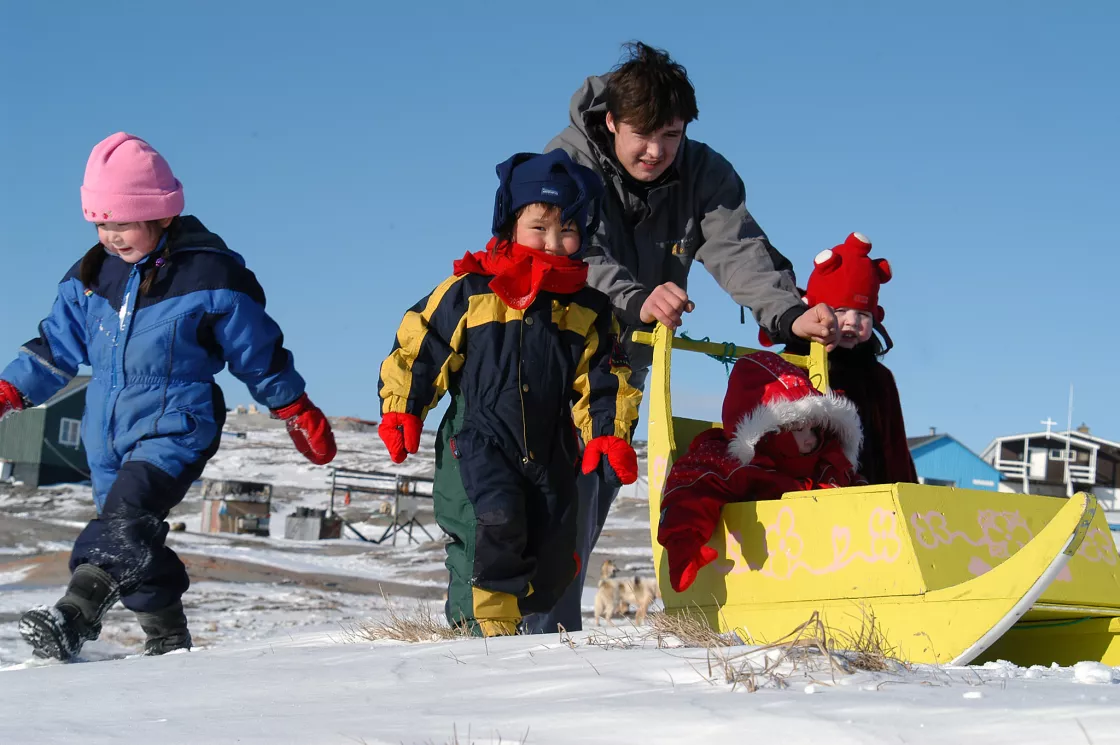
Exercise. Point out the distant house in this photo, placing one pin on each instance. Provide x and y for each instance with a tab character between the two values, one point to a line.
43	445
941	460
1057	463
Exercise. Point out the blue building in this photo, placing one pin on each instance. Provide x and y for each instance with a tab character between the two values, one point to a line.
942	461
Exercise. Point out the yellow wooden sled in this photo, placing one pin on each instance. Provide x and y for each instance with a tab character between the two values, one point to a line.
948	575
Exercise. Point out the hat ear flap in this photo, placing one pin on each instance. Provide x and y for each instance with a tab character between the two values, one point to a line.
880	314
503	199
590	194
883	267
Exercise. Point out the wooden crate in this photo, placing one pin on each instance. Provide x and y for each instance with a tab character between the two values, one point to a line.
242	507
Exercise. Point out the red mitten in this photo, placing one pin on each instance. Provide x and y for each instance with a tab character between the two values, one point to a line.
686	558
10	399
309	430
620	466
401	434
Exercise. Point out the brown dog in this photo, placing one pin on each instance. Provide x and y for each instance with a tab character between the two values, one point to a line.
617	595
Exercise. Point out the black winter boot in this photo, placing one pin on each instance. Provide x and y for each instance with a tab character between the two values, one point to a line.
166	630
60	631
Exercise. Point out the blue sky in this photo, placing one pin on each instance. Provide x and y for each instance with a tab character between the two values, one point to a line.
348	151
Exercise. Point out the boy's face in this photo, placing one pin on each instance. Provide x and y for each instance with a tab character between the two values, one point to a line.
855	326
539	227
805	437
646	155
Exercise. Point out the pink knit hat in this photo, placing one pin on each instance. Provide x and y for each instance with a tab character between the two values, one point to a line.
128	181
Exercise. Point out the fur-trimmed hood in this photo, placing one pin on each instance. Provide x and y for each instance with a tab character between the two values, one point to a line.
765	393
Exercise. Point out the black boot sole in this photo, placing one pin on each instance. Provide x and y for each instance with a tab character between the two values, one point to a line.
42	629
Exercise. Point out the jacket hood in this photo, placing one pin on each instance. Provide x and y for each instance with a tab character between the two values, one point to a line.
765	393
191	235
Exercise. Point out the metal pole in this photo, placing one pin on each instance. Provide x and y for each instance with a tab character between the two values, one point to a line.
1069	437
334	476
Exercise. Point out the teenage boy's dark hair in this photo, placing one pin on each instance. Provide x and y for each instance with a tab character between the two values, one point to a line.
648	90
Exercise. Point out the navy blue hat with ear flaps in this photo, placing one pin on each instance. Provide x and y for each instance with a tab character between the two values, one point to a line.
552	178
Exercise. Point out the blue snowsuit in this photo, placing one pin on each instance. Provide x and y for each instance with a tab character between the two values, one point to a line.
153	413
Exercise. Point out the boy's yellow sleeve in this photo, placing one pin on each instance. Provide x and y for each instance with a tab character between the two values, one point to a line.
604	402
427	351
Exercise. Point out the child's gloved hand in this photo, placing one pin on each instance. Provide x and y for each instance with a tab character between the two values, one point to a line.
687	556
10	399
309	429
401	434
620	464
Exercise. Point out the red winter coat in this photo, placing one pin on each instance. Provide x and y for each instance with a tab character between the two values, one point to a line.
858	375
709	476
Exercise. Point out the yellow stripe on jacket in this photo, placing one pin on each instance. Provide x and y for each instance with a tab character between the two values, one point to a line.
597	374
425	355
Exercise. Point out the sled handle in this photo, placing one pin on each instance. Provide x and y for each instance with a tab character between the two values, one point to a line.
815	363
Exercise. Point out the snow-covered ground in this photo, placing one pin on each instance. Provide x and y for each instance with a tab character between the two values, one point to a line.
326	688
277	661
346	578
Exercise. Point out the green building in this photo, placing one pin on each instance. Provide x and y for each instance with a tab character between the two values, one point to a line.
43	445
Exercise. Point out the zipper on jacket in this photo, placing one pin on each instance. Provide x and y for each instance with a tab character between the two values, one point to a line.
521	391
124	325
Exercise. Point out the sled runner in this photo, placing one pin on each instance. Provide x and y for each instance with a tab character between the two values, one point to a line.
948	575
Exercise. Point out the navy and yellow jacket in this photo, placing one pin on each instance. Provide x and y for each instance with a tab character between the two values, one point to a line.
524	374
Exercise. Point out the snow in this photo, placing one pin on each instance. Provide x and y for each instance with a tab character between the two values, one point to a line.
1093	673
326	688
278	661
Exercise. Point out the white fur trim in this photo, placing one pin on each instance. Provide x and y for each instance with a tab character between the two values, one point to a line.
828	411
823	256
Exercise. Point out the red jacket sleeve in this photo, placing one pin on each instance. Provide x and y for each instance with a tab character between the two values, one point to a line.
834	469
706	478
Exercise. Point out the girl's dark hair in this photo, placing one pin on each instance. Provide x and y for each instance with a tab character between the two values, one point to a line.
92	262
648	90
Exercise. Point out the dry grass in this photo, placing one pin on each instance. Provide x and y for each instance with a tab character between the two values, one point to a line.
867	648
417	625
689	627
469	741
810	649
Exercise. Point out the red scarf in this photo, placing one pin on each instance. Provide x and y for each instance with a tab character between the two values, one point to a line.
520	273
780	449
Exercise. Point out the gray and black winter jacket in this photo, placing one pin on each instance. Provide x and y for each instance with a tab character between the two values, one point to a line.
651	234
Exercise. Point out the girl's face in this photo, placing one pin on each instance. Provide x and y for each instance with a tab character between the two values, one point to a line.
540	228
855	326
131	241
805	437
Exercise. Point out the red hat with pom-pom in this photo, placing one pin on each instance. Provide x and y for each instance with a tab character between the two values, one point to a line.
846	277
